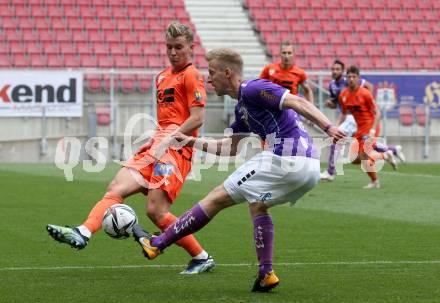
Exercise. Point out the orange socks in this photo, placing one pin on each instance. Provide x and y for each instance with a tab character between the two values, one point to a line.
370	169
94	221
189	243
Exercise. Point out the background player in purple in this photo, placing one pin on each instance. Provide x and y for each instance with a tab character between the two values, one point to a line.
349	126
283	172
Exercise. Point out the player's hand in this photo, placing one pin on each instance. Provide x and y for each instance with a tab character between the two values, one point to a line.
183	140
329	103
372	133
336	133
145	147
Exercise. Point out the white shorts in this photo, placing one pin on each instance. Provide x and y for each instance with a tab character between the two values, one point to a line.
349	126
273	179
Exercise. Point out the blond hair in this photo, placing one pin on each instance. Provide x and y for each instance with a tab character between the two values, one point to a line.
176	29
226	57
285	43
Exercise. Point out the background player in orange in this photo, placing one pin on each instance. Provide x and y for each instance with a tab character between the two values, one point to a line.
286	74
360	103
156	172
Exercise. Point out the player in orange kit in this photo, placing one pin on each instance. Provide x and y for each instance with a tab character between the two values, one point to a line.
181	100
360	103
286	74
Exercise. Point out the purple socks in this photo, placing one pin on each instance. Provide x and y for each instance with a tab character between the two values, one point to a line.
383	148
331	160
188	223
263	237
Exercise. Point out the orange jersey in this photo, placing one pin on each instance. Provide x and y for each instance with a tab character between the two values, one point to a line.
177	92
287	78
360	103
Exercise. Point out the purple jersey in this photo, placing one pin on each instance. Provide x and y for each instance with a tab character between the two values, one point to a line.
335	88
259	110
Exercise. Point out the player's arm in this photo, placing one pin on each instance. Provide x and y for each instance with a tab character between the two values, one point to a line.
332	100
312	113
264	73
308	92
227	145
196	99
377	116
341	118
343	114
194	121
330	104
368	85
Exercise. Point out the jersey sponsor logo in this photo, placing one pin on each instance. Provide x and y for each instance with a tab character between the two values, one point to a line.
166	95
163	169
268	96
265	197
356	108
198	95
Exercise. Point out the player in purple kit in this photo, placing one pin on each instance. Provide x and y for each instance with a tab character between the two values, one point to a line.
283	172
349	126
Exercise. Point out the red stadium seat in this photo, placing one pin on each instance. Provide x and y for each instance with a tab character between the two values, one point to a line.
413	63
71	60
33	48
406	115
88	61
397	63
54	61
105	61
103	116
421	114
154	61
127	83
121	61
20	61
4	61
138	61
144	83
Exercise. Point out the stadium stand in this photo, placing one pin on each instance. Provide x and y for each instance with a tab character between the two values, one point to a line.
376	35
90	34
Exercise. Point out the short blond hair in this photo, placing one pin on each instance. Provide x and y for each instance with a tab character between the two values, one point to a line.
176	29
286	43
226	57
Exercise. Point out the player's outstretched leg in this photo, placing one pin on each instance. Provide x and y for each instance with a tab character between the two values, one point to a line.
328	174
68	235
198	266
201	261
399	153
144	238
264	239
79	236
190	222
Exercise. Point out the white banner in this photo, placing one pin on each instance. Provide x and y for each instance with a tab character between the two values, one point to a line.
26	93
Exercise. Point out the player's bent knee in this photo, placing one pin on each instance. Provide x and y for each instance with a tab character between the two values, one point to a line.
258	209
216	200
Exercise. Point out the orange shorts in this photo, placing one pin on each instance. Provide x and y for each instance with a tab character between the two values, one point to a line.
168	173
365	143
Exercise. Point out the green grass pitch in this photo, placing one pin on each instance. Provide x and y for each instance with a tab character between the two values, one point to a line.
340	243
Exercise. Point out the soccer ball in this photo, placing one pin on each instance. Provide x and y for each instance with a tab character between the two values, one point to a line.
118	221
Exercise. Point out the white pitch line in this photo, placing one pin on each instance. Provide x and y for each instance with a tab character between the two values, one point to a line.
342	263
403	174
